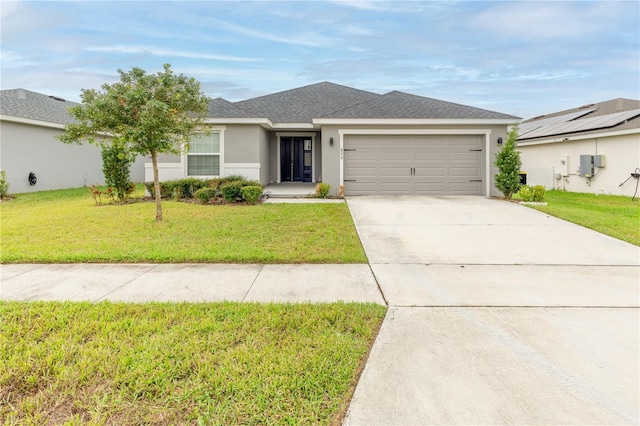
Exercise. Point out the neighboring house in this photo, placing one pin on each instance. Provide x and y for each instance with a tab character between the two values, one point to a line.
29	123
396	143
593	148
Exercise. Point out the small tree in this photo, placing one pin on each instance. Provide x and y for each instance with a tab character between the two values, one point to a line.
150	114
116	167
508	163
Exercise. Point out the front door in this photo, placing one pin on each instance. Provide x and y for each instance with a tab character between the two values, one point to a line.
295	159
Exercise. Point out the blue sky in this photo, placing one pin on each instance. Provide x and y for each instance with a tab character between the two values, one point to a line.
517	57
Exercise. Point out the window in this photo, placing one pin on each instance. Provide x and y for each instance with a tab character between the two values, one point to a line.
203	158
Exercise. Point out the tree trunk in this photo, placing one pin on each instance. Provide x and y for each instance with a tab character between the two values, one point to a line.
156	186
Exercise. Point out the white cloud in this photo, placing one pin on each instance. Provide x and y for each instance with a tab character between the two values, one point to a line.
11	59
132	49
311	39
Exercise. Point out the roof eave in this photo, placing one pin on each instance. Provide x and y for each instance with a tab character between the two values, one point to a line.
31	121
417	121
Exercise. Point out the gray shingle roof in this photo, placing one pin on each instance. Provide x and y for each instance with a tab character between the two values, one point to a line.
222	108
404	105
303	104
35	106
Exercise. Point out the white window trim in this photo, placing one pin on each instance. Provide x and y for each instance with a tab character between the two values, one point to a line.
183	158
313	150
480	132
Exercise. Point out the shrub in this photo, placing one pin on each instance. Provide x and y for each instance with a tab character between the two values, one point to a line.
186	188
4	185
231	191
525	193
538	193
178	188
322	190
508	163
251	194
116	167
205	194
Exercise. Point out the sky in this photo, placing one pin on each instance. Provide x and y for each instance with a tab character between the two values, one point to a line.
524	58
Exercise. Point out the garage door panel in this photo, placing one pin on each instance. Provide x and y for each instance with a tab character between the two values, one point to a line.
429	188
355	172
465	156
429	156
386	172
430	171
464	188
396	187
361	155
418	164
470	172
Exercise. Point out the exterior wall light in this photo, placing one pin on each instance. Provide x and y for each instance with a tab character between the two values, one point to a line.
331	141
499	141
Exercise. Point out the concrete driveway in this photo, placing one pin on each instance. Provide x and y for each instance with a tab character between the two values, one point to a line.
499	314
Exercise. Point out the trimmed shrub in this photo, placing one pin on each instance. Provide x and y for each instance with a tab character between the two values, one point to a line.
179	188
251	194
538	193
525	193
186	188
205	194
322	190
231	191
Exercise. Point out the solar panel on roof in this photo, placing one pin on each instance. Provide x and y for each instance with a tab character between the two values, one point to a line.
585	124
532	125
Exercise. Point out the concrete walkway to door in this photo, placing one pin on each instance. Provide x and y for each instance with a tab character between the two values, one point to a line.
499	314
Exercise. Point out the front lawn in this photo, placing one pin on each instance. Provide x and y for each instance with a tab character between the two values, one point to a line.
612	215
165	363
66	227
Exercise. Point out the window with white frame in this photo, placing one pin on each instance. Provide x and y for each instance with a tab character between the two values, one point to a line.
203	158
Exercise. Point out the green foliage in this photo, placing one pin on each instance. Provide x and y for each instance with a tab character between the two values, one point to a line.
4	185
322	190
206	194
64	227
612	215
538	193
532	194
177	188
224	363
116	164
251	194
525	193
149	113
232	191
508	163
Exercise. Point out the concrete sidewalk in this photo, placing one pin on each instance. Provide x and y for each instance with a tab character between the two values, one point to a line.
189	282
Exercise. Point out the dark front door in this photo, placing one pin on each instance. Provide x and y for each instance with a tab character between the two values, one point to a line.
295	159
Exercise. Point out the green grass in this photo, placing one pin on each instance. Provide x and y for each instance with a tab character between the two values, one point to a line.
165	363
612	215
66	227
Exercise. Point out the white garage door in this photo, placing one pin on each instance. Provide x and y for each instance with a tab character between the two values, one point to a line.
422	165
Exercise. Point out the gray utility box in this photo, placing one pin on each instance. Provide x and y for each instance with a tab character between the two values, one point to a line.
588	163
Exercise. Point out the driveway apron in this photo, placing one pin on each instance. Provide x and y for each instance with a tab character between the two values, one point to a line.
498	314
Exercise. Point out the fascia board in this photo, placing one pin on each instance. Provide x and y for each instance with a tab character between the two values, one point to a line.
294	126
416	121
261	121
31	121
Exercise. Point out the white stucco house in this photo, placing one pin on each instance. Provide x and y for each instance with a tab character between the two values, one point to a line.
393	143
33	159
592	148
